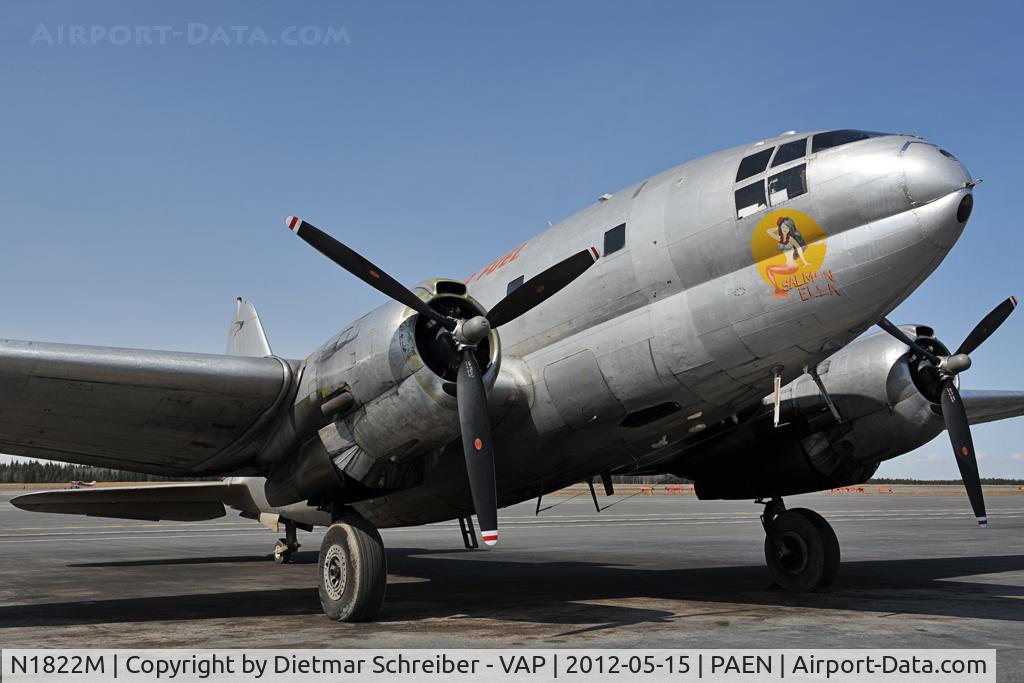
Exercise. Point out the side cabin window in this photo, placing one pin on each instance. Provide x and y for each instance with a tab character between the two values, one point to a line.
615	239
835	138
750	199
514	285
791	151
787	184
753	164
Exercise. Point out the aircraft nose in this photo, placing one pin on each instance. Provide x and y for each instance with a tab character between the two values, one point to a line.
931	173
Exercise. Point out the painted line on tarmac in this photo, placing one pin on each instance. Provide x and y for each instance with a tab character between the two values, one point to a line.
534	524
121	526
510	522
232	534
526	519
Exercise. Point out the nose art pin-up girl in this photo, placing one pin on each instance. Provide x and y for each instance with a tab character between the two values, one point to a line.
792	244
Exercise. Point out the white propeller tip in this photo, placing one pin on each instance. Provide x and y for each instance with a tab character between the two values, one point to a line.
293	223
983	522
490	537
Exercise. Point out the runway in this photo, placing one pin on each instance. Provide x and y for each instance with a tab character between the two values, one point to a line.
661	571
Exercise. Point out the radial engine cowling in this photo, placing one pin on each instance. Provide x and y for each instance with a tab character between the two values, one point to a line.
374	400
887	403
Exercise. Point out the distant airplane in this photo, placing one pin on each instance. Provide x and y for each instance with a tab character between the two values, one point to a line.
76	484
701	322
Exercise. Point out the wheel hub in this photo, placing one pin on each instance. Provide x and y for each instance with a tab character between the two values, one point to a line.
793	560
335	572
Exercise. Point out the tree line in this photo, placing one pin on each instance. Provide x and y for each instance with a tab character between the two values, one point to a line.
50	472
34	472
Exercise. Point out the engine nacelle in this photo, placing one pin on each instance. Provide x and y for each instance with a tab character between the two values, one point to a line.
374	400
886	404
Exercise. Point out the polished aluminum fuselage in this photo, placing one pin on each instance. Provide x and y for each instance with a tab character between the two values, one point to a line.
683	314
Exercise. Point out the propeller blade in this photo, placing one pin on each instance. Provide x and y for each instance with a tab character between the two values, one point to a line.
898	333
989	324
955	415
477	446
541	287
362	269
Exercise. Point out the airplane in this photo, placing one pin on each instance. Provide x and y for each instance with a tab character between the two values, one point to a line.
705	322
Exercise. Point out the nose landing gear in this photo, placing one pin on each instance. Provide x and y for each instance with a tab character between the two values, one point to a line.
800	547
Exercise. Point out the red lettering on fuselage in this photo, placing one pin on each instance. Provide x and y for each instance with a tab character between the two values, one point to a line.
496	264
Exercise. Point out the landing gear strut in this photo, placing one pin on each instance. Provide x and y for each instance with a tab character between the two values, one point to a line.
287	545
353	570
800	547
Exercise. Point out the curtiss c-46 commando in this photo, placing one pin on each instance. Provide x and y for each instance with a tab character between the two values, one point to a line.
704	322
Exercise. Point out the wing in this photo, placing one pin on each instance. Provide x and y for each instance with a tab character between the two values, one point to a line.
175	502
157	412
988	406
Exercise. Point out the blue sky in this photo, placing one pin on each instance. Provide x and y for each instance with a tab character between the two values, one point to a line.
145	186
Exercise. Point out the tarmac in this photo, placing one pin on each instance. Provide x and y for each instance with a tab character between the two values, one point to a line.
648	571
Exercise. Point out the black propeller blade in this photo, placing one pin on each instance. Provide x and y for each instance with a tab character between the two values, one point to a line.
955	415
540	287
466	334
989	324
898	333
953	412
476	444
363	269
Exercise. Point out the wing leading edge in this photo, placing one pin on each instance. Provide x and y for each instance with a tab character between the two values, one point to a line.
156	412
989	406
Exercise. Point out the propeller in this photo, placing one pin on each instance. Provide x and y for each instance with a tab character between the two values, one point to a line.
953	412
464	335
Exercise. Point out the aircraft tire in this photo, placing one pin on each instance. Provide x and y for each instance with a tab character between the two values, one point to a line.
831	542
813	562
282	553
353	570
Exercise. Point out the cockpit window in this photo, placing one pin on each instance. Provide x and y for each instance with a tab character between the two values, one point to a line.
754	164
788	184
835	138
750	199
790	151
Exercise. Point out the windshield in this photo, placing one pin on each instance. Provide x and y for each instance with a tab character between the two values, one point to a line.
835	138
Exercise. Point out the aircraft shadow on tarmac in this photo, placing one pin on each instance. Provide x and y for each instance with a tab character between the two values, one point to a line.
559	592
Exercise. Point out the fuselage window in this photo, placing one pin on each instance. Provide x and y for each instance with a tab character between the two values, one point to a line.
514	285
791	151
615	239
750	199
754	164
788	184
835	138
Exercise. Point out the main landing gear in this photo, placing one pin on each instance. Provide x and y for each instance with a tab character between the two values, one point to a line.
800	547
353	569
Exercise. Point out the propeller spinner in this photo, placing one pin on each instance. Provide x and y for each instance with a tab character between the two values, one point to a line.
953	412
465	335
